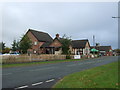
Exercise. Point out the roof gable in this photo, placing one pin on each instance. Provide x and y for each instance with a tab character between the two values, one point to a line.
56	43
87	44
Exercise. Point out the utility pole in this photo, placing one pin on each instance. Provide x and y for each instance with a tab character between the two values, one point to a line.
94	45
94	41
118	26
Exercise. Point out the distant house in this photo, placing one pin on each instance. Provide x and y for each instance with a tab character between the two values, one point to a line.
77	47
57	45
54	47
80	47
40	42
104	50
43	43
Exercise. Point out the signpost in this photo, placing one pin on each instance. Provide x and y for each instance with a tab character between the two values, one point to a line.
77	57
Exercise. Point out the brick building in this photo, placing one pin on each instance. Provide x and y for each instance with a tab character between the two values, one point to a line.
81	47
104	50
43	43
40	42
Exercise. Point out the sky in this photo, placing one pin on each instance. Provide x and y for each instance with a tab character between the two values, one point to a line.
79	20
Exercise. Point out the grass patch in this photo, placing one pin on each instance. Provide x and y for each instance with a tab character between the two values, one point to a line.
105	76
37	63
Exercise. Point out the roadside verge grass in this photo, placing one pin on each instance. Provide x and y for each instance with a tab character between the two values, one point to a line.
38	63
105	76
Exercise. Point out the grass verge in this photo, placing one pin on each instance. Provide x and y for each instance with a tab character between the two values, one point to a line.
105	76
38	63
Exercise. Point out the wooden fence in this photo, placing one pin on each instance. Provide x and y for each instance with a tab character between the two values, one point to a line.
31	58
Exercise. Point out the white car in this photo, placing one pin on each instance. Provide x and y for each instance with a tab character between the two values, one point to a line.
6	54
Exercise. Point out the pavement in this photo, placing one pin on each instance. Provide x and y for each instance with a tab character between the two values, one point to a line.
46	75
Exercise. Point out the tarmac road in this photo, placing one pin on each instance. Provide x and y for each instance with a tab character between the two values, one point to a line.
45	76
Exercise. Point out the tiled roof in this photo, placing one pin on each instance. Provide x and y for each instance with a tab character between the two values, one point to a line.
41	36
46	44
79	43
102	48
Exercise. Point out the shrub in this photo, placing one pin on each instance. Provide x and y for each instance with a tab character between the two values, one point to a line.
68	57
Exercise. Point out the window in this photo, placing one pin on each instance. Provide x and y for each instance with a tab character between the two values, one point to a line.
35	43
34	51
80	49
110	50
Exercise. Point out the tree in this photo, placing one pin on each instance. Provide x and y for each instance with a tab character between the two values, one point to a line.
15	45
66	41
2	47
6	50
18	46
25	44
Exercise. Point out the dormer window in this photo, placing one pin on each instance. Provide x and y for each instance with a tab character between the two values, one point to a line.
35	43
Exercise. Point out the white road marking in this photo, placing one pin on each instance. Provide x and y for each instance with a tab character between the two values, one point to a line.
50	80
37	83
21	87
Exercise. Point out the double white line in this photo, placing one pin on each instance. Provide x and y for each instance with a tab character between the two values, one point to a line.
25	86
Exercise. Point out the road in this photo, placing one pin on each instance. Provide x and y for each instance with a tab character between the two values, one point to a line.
44	76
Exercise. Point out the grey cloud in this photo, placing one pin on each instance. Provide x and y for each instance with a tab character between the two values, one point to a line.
79	20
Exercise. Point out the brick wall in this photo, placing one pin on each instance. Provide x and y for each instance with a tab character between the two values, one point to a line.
37	46
31	58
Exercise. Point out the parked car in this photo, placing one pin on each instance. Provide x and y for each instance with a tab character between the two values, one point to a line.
15	53
6	54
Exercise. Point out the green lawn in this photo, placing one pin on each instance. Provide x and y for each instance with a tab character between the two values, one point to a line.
105	76
38	63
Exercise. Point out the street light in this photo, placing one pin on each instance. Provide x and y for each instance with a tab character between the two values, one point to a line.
118	31
115	17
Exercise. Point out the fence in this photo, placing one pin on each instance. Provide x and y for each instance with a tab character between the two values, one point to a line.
31	58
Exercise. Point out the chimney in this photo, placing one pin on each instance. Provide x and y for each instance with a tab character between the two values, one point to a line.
57	35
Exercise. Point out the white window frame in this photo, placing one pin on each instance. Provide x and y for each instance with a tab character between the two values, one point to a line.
35	43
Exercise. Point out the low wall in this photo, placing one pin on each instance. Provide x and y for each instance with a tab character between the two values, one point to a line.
31	58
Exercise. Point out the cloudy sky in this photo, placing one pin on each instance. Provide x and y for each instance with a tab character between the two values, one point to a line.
80	20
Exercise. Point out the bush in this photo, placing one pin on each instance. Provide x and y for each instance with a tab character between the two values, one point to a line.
68	57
